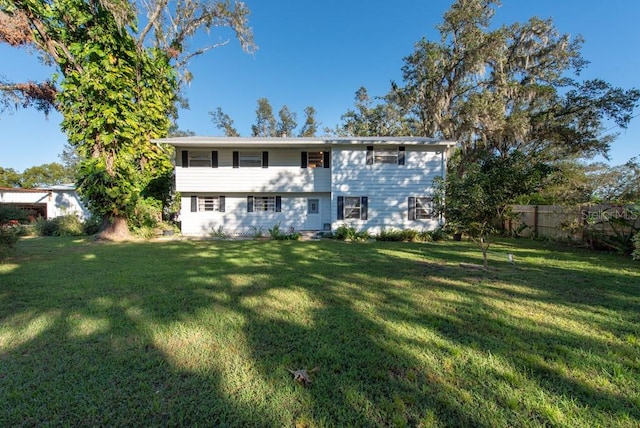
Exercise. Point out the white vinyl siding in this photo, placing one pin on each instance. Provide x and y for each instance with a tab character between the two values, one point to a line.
283	175
235	220
296	174
387	186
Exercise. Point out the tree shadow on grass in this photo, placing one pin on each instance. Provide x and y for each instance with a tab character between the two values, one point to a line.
201	333
568	338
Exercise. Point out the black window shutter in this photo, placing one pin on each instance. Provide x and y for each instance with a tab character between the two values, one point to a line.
249	204
194	204
185	158
278	204
369	155
221	200
214	159
401	155
340	207
411	213
304	159
236	159
364	205
326	159
265	159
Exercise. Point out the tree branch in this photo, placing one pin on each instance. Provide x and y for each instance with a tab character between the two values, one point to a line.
200	51
153	21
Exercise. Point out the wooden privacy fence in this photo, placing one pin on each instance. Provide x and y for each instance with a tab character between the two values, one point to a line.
572	222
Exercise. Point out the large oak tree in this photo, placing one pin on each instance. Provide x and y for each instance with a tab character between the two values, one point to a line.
120	66
511	88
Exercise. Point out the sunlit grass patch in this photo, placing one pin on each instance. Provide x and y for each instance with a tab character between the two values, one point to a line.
204	332
24	327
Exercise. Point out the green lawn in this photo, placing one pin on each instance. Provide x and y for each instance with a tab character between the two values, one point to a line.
201	333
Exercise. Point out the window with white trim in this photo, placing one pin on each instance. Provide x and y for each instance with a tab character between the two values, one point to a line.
394	156
315	159
207	203
385	156
250	159
352	207
420	208
264	203
424	208
199	158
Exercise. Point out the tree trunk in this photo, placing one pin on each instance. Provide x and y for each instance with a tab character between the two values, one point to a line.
485	262
114	228
485	248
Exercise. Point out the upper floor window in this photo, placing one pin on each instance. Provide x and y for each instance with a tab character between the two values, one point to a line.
387	155
199	158
251	159
314	159
420	208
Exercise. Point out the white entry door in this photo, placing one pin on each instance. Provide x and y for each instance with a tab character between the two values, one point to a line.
314	218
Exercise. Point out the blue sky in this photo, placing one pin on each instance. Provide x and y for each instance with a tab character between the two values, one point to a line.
320	52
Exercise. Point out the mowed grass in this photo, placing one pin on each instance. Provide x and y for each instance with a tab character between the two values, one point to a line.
201	333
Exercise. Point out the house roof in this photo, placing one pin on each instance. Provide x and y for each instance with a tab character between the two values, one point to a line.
203	141
23	190
46	189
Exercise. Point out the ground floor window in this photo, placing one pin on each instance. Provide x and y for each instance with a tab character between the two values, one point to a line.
352	207
207	203
264	203
420	208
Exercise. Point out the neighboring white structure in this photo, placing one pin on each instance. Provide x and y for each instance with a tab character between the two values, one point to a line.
47	202
244	185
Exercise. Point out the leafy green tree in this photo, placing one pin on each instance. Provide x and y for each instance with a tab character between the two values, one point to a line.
506	89
117	83
477	200
36	176
310	126
266	124
46	175
287	123
570	182
70	160
618	184
385	118
9	177
224	122
575	182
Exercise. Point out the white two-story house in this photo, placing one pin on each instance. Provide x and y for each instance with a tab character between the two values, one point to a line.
246	185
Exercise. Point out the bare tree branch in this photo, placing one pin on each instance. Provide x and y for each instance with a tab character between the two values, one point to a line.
153	20
183	61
